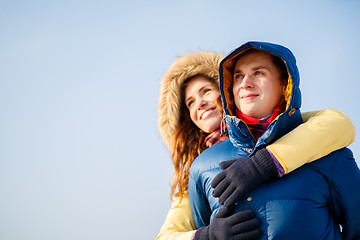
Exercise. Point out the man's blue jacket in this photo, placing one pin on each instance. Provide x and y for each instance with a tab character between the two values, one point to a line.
320	200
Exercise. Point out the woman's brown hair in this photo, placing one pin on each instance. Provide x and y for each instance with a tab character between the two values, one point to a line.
184	140
188	144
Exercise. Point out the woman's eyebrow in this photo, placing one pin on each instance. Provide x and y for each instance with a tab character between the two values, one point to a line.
200	90
205	86
187	99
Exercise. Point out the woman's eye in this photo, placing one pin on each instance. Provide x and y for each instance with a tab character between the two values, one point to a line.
258	73
189	104
206	90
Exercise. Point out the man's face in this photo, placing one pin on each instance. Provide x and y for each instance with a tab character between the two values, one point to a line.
257	87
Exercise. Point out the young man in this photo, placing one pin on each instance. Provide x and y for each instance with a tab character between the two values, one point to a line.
259	84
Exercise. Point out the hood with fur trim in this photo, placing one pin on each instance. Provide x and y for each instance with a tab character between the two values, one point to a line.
183	68
286	121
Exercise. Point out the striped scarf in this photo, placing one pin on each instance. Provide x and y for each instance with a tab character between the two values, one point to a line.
257	127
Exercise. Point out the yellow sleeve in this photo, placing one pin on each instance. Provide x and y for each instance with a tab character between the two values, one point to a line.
179	224
321	133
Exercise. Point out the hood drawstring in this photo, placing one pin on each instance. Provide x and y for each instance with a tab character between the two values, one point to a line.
223	128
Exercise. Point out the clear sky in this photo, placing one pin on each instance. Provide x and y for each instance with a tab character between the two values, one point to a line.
80	153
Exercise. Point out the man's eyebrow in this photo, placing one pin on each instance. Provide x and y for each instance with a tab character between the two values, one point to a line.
261	67
236	71
254	69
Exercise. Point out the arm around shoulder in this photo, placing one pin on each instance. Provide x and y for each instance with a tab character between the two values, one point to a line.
321	133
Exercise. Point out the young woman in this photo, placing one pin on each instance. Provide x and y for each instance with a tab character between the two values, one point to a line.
189	122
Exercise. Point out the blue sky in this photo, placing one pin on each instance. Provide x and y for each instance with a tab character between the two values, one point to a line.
80	153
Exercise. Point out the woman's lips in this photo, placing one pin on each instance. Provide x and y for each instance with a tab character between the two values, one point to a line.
206	113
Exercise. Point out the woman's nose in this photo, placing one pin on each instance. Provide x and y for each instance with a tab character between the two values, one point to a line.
202	103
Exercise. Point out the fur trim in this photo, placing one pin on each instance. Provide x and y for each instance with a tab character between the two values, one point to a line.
205	63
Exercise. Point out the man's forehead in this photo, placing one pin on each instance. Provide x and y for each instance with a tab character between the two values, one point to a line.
255	60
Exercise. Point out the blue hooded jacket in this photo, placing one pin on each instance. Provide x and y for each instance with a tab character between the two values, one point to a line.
309	203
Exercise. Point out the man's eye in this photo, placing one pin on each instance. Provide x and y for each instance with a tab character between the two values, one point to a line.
238	76
259	73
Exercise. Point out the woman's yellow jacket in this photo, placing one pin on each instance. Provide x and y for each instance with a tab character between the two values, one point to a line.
328	130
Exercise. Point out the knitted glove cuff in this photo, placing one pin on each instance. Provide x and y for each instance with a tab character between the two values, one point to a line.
202	233
264	163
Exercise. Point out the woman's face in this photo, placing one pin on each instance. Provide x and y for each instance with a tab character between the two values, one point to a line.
200	98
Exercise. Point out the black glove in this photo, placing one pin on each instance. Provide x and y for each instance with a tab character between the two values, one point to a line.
240	226
242	175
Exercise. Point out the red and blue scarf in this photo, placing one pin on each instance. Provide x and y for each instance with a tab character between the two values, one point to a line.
257	127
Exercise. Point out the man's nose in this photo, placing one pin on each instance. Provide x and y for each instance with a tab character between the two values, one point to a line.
247	82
